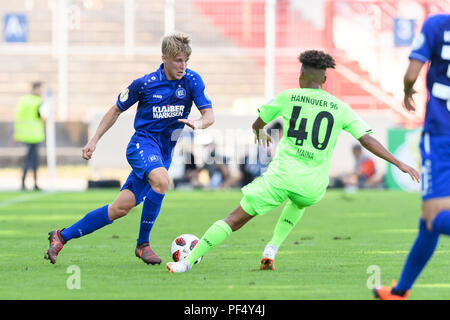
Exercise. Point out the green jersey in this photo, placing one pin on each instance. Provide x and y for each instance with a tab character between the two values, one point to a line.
312	121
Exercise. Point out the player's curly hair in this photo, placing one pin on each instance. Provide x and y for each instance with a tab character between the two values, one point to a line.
316	59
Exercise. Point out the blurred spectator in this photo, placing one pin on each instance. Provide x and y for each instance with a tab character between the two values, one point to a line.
363	176
29	129
217	168
191	172
276	133
248	171
254	166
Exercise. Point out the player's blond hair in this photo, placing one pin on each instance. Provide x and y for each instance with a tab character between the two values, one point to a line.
175	43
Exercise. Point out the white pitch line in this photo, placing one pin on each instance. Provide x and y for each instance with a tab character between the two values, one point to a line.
23	198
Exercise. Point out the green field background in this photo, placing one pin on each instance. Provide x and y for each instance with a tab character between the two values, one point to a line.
327	255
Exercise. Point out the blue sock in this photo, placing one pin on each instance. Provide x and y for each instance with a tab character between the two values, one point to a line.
150	211
420	253
89	223
441	223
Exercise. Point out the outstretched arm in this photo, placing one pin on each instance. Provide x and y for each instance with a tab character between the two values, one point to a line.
374	146
107	121
206	120
410	77
260	135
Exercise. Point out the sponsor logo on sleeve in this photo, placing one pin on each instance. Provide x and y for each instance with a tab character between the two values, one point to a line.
124	95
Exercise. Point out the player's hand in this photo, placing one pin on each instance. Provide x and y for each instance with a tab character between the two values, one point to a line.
194	124
408	100
88	150
262	138
415	176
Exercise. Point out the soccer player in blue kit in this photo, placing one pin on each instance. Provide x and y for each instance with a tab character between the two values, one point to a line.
165	99
433	45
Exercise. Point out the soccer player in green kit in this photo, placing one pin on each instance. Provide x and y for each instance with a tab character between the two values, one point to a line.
299	172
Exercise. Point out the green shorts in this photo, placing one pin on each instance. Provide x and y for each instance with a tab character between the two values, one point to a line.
260	196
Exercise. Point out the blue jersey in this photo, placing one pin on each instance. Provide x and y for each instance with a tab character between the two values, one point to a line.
161	103
433	44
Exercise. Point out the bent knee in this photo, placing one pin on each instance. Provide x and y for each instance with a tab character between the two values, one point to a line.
117	211
431	208
160	184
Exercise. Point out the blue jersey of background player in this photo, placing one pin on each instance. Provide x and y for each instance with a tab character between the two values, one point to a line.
165	99
433	45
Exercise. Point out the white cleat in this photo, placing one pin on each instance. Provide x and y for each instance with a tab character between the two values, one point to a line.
268	258
178	267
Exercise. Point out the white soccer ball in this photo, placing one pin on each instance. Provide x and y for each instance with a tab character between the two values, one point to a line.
182	246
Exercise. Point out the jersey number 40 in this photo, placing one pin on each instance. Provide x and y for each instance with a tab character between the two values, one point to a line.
301	134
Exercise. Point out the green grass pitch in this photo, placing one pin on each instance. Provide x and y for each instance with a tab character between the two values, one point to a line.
331	254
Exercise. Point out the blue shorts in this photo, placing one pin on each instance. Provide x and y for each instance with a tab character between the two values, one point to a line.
143	155
435	166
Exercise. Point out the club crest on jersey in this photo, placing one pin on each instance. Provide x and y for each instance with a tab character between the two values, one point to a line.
180	93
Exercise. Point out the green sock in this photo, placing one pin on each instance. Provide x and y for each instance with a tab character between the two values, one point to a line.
289	217
218	231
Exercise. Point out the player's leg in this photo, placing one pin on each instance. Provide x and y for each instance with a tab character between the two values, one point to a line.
218	232
35	163
150	181
215	235
258	199
92	221
290	216
436	213
122	205
435	218
26	164
102	216
158	179
238	218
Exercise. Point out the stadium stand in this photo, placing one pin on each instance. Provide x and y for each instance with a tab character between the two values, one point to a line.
228	41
